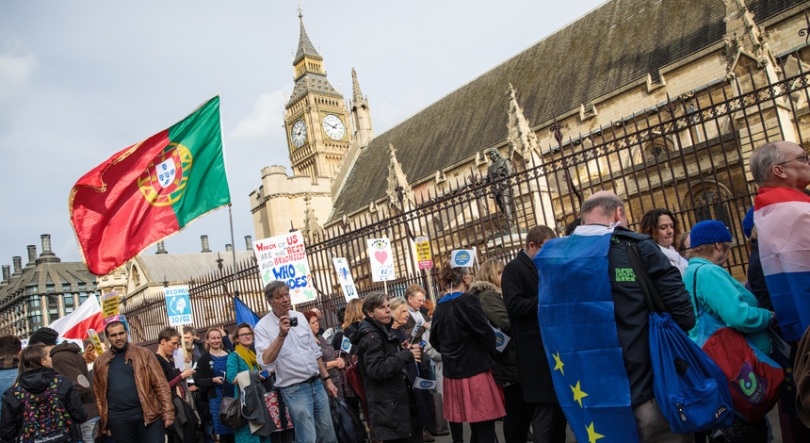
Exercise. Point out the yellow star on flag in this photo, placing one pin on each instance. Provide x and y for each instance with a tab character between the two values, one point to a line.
592	434
559	364
579	394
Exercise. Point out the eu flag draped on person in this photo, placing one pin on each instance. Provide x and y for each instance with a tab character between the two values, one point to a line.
780	216
577	323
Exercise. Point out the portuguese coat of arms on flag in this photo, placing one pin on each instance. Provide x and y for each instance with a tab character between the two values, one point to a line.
150	190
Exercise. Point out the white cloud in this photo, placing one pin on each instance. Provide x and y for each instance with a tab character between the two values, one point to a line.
15	73
264	122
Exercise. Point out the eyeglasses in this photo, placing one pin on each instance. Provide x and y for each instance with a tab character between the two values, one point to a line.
246	334
802	158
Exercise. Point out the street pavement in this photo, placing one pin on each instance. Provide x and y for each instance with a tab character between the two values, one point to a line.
772	416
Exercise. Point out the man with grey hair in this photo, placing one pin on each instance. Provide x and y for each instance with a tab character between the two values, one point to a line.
284	342
609	278
782	219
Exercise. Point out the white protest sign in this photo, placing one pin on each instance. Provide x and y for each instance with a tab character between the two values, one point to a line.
381	259
501	339
178	305
345	277
284	258
346	345
421	383
462	258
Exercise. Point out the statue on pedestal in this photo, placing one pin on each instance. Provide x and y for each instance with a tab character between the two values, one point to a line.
500	168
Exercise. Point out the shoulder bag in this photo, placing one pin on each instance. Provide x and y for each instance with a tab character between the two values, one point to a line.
690	389
755	380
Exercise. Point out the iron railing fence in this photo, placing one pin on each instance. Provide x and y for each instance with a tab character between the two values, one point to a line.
688	154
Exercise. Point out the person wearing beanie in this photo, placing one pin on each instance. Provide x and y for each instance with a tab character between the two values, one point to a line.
717	292
46	336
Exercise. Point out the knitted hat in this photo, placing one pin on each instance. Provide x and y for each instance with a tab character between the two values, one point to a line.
748	223
708	231
46	336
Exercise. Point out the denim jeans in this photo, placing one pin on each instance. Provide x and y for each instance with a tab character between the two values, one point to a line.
309	408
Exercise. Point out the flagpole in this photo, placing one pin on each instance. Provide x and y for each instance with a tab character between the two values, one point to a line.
233	250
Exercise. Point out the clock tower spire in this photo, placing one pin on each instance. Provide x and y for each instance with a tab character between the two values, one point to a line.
315	116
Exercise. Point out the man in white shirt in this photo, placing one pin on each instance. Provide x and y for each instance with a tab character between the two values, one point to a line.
300	373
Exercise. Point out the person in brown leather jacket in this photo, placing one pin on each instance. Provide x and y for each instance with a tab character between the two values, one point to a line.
131	391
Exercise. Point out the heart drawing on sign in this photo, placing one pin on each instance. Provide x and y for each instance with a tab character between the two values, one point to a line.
381	256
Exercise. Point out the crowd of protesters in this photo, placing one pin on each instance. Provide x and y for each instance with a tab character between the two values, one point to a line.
414	370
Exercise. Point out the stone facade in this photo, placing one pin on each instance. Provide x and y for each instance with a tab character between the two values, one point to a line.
44	290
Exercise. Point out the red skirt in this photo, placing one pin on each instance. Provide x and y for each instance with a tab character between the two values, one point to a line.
473	399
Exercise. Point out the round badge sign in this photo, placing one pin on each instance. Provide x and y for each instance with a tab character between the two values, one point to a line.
425	384
499	339
462	259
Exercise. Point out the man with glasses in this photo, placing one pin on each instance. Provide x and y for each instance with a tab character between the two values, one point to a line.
131	392
782	219
285	342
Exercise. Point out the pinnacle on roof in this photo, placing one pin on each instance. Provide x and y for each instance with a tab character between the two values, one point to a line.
305	46
357	94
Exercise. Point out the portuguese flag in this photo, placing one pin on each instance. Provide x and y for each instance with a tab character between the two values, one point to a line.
150	190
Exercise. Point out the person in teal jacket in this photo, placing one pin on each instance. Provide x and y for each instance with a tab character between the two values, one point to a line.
717	292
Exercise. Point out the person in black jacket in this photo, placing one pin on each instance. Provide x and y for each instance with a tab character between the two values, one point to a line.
382	360
168	341
631	313
462	335
519	283
210	379
36	377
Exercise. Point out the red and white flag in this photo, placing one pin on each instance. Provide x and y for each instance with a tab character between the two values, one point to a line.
75	325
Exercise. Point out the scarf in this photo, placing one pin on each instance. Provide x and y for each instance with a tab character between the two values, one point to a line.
675	258
248	355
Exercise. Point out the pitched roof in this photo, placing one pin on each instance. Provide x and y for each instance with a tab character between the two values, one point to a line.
49	273
183	267
614	45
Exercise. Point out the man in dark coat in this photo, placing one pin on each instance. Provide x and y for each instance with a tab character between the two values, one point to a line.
519	283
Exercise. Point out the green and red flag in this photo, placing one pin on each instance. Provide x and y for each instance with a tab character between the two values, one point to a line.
150	190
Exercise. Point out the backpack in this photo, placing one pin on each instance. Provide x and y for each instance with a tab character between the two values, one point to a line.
45	420
755	380
689	387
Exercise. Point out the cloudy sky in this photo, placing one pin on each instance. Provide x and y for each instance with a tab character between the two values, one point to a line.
80	81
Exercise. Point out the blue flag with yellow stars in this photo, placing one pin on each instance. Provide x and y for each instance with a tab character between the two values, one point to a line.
578	327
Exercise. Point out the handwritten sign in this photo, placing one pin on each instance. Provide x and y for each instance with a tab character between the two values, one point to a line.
423	253
381	259
178	305
284	258
109	306
345	277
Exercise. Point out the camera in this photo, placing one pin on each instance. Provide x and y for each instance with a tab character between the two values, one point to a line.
294	322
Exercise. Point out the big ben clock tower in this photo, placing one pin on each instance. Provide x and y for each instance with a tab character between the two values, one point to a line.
315	117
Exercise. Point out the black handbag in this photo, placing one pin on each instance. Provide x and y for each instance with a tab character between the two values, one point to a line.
230	412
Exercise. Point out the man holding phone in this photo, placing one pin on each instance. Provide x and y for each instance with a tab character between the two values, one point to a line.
300	373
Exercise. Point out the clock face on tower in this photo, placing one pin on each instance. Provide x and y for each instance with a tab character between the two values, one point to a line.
333	127
298	133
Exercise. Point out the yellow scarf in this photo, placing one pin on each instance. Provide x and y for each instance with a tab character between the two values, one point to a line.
248	355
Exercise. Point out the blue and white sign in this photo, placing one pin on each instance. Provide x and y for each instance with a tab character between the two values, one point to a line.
346	345
462	258
345	278
421	383
178	305
501	339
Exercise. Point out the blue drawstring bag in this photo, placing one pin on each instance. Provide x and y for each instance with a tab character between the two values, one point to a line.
690	388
